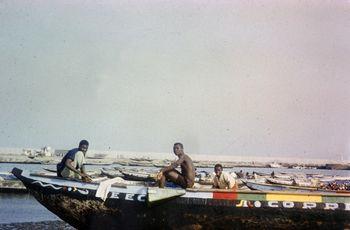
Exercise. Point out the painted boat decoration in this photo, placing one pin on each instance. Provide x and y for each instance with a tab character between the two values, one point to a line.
106	206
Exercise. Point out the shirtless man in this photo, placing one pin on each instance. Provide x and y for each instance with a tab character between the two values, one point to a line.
186	178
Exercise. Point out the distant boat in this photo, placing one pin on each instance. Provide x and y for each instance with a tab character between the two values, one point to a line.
280	181
138	176
10	184
111	173
280	187
298	167
98	156
99	206
141	163
275	165
142	159
276	187
7	176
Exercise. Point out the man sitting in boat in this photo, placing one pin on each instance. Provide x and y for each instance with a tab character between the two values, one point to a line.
223	180
72	164
185	179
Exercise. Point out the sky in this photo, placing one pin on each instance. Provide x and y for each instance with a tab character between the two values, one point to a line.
257	78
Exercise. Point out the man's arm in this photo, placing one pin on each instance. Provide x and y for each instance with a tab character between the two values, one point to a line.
231	181
69	165
215	182
84	175
83	170
173	165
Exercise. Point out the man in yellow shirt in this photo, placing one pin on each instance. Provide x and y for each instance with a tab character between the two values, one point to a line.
223	180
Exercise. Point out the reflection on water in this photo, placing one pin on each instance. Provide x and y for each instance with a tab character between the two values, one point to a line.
16	208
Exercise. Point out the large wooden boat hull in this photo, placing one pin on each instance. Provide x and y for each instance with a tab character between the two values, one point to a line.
132	207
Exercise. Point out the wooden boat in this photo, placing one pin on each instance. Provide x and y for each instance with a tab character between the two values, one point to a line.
141	163
280	181
142	159
262	174
253	185
12	186
92	206
98	156
282	176
305	183
90	173
138	176
275	165
7	176
161	164
293	182
276	187
110	173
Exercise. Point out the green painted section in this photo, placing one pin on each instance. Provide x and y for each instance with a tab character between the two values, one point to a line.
334	199
252	196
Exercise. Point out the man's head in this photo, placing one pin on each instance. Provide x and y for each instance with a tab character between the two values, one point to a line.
178	149
218	170
83	146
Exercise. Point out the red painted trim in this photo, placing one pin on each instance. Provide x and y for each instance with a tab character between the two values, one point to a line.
225	195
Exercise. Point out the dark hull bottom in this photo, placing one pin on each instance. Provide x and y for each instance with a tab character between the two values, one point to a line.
122	214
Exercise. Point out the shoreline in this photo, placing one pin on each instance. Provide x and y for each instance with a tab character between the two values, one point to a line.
155	162
50	224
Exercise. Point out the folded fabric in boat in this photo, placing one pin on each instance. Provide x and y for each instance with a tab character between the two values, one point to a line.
104	187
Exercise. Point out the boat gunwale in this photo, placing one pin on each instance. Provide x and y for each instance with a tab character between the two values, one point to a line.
195	190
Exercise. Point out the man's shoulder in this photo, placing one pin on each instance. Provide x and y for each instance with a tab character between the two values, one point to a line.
73	152
79	152
186	156
226	174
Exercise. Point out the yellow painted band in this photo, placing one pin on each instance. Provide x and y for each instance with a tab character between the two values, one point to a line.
294	197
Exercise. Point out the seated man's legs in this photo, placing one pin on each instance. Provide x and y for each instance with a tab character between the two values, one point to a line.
176	177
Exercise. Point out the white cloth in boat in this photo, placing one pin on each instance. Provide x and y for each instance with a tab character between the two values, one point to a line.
104	187
226	181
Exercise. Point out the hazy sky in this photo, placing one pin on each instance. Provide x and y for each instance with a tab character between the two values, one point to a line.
265	78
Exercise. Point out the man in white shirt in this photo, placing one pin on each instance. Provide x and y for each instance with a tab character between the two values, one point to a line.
223	180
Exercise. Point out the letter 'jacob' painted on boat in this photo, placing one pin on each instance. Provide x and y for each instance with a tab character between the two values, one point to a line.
128	196
250	204
290	204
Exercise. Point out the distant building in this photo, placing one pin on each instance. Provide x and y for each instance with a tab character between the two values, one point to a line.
46	151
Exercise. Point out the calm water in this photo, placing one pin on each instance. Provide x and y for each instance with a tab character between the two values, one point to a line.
16	208
22	208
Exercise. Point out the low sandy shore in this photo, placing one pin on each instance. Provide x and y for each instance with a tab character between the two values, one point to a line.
38	225
150	162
